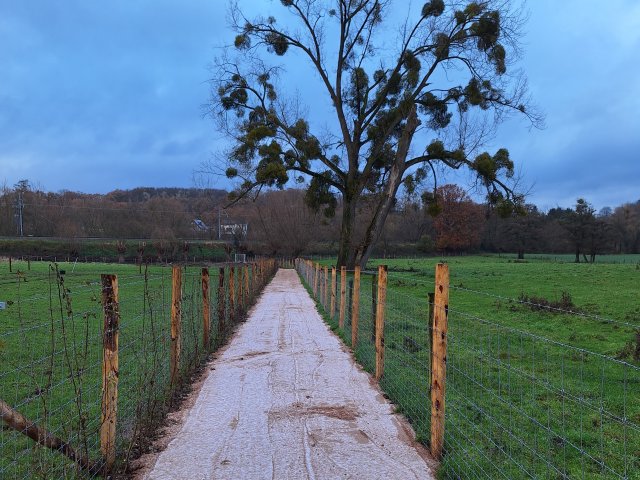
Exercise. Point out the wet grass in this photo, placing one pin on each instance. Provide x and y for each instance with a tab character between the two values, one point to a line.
532	392
51	357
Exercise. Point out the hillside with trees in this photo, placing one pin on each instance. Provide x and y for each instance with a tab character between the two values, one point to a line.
280	222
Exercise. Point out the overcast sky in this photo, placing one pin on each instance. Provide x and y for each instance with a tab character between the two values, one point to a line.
97	96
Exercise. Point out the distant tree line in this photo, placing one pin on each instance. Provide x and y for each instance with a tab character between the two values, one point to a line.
166	213
279	222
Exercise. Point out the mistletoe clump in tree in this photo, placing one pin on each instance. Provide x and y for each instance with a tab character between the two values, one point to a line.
400	117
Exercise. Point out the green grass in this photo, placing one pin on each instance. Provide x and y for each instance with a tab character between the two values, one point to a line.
51	356
105	250
530	393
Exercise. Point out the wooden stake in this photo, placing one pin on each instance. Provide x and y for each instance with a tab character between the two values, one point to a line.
332	312
343	295
245	278
355	308
432	298
221	304
110	367
381	300
326	287
206	326
176	319
239	290
374	293
439	359
232	295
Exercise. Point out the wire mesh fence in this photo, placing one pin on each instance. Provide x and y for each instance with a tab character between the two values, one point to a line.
53	357
520	401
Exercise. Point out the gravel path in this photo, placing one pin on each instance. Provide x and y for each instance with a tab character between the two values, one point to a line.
286	401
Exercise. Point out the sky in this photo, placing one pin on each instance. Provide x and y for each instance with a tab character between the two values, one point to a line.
98	96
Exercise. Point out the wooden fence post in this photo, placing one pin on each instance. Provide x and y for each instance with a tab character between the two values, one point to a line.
221	304
374	294
176	318
316	272
240	292
326	287
245	279
431	299
110	367
206	327
380	303
332	312
343	295
439	359
232	295
355	308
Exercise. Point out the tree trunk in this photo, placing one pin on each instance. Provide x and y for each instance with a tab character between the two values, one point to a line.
346	251
520	254
384	207
391	188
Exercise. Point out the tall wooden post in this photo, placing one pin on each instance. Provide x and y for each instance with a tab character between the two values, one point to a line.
381	300
232	295
326	287
439	358
316	272
343	295
110	367
245	278
374	294
206	326
355	308
431	298
332	311
240	294
176	319
221	304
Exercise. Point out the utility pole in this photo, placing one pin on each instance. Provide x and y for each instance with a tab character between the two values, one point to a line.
19	214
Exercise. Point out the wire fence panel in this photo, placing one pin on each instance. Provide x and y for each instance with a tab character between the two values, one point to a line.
527	395
549	409
52	390
407	364
51	356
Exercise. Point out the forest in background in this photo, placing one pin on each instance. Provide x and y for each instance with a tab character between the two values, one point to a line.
279	222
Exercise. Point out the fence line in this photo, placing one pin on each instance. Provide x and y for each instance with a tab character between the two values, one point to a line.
517	403
91	367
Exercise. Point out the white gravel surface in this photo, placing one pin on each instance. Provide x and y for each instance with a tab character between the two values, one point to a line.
286	401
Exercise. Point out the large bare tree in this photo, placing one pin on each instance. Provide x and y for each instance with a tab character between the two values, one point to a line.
409	104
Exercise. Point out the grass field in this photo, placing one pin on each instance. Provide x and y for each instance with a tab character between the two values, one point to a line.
106	250
532	391
51	356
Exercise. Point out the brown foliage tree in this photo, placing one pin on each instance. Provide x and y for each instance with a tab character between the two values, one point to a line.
459	222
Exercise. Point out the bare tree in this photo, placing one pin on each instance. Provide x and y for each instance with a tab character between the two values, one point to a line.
404	109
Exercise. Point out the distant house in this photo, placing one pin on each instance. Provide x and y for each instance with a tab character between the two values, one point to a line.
199	225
